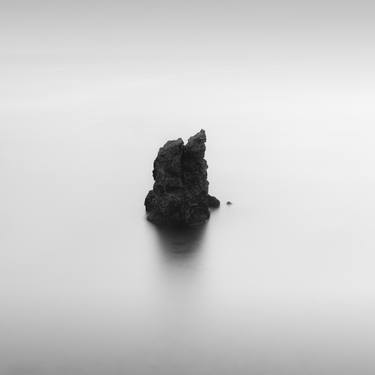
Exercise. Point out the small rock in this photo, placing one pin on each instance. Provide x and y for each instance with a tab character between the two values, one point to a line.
229	203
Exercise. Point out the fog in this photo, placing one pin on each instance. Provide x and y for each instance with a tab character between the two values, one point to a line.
280	282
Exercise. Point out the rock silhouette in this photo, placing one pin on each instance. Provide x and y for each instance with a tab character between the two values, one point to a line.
180	193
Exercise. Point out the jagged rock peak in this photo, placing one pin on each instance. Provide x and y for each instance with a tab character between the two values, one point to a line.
180	192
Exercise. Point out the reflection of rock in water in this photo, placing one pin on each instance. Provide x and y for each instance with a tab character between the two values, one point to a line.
181	242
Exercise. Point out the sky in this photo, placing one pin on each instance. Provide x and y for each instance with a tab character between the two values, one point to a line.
90	54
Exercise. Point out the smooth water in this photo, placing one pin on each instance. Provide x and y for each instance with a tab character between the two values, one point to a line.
280	282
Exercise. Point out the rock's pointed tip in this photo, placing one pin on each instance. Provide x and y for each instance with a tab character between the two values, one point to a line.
199	137
202	133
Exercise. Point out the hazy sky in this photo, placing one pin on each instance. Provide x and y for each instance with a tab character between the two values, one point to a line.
215	32
87	52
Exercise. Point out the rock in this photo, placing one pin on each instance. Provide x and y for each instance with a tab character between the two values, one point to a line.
229	203
213	202
180	192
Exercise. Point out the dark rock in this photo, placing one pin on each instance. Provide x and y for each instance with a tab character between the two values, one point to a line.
229	203
212	201
180	193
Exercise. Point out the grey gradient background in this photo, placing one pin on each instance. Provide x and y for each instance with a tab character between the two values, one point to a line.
282	282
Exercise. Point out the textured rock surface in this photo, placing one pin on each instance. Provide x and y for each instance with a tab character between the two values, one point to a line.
180	193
